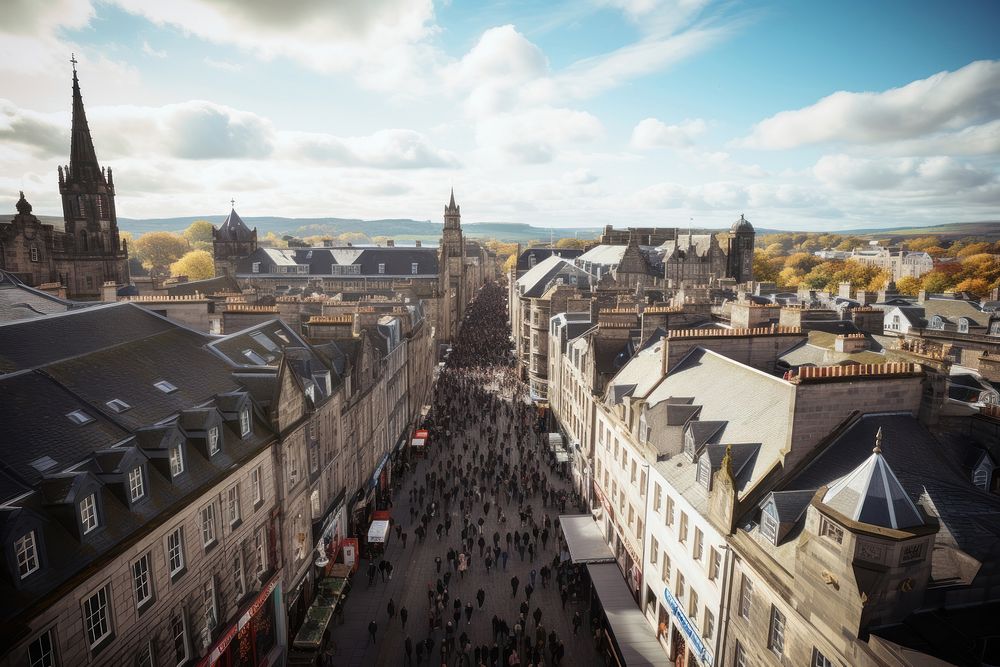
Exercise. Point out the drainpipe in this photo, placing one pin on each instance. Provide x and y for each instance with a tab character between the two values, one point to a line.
727	595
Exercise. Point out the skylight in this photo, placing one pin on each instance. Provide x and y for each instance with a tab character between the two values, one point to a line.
79	417
118	405
254	357
264	341
165	387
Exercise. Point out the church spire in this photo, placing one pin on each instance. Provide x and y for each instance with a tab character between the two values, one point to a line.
82	157
451	204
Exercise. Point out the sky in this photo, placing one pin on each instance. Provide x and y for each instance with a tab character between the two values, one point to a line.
812	116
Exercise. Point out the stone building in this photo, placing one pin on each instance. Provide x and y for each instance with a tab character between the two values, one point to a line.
87	252
231	242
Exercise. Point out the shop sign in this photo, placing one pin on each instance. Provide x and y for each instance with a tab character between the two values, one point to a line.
378	469
350	549
220	646
696	645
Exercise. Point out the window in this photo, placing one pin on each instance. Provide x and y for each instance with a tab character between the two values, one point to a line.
118	405
776	635
381	268
258	494
820	660
715	563
176	460
746	597
178	628
136	488
704	472
141	581
165	387
657	498
213	441
239	578
666	568
670	511
245	422
97	616
88	513
708	627
693	606
27	554
260	546
34	253
831	530
654	549
682	537
254	358
145	656
768	525
234	505
414	268
175	551
740	659
79	417
208	525
633	476
680	587
42	651
698	544
211	608
255	268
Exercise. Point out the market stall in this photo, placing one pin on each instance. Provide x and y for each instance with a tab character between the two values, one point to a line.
328	603
378	532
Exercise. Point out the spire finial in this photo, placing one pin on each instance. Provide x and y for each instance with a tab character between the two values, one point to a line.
232	203
72	59
878	442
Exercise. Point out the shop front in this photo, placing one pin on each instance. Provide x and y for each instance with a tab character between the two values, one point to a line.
688	647
256	638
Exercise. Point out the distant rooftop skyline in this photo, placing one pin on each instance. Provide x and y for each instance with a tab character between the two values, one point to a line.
808	116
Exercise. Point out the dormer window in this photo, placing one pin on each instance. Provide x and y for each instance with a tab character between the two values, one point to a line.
255	268
165	387
79	417
381	268
689	443
769	524
27	554
88	513
176	461
704	472
136	485
643	429
245	422
963	325
414	268
118	405
213	441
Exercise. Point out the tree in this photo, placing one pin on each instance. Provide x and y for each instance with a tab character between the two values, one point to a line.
199	234
765	269
196	265
977	286
158	250
802	261
579	244
908	285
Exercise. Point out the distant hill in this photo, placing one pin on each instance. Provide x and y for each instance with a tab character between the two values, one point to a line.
405	229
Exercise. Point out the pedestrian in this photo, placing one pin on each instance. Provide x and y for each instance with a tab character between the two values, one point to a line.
504	555
514	583
437	563
532	576
528	590
577	621
408	647
537	615
564	594
404	540
372	571
391	609
468	613
372	629
480	597
402	616
388	568
420	652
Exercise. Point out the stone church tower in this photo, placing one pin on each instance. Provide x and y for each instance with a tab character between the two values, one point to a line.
451	268
740	251
231	242
89	252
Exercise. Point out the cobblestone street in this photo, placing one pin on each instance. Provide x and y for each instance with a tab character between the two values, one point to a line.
415	571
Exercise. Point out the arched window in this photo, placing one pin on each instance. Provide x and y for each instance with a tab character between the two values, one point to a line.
81	206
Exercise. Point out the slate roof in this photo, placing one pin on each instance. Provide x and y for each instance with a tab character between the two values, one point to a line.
233	228
398	260
44	340
789	505
701	244
207	286
537	280
18	301
952	309
540	254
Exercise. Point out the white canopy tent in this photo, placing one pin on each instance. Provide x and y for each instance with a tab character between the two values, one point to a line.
636	641
584	539
417	443
378	531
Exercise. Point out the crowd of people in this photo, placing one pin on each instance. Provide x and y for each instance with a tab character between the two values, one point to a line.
475	505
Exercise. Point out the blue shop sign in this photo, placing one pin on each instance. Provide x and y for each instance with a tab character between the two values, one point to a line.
378	469
698	647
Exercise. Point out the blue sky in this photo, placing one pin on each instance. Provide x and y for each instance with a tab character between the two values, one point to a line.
802	115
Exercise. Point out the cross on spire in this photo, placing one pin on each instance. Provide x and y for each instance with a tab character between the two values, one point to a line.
232	203
72	59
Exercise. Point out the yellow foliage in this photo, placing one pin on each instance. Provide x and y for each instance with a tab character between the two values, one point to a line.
196	265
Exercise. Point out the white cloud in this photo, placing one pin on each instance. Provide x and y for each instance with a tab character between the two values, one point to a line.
579	176
385	149
944	105
532	137
654	133
150	51
938	175
224	65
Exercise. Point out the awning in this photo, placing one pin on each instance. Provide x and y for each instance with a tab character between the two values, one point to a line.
417	442
555	440
634	637
378	531
562	456
584	539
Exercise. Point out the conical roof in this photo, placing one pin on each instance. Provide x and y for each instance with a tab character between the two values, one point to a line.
235	227
872	494
82	157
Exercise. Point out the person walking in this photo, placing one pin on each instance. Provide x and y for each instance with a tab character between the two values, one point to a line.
577	622
408	647
468	613
402	616
437	563
537	615
391	609
481	597
532	576
372	629
514	583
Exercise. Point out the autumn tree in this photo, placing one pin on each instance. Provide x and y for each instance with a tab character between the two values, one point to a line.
199	235
158	250
908	285
579	244
196	265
